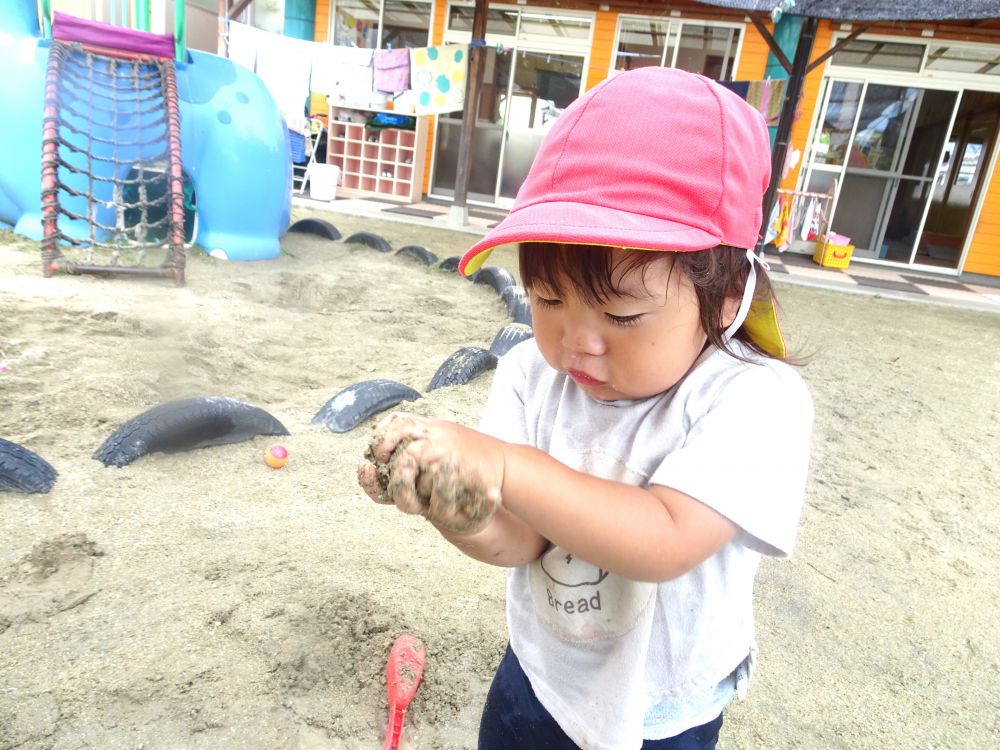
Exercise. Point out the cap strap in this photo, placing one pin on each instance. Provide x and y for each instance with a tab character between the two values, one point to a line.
748	292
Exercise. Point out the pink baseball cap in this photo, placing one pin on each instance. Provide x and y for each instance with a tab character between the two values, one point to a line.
653	159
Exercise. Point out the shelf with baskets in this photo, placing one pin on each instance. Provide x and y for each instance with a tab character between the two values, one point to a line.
384	162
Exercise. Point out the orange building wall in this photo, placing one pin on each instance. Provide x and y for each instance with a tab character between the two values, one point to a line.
322	21
753	55
984	252
810	101
603	47
317	102
438	21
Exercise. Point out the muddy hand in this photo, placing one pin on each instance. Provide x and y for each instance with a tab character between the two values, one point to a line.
390	435
451	496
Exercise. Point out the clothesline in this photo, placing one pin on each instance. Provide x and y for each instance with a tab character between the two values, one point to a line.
501	49
804	193
432	79
794	219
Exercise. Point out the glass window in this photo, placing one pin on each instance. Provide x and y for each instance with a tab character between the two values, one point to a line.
970	162
355	23
641	43
957	59
549	26
835	134
882	127
405	23
500	22
697	48
709	50
860	53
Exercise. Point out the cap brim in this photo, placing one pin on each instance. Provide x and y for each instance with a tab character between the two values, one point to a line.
586	224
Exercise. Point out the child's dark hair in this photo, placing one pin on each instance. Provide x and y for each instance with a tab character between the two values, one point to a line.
717	274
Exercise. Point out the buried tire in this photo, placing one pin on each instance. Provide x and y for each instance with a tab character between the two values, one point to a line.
450	263
23	470
371	240
518	306
462	366
185	425
356	403
419	252
510	336
318	227
494	276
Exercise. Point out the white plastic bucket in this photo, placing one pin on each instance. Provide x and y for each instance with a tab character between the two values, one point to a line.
323	179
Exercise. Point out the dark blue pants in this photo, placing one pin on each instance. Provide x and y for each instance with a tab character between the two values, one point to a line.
513	719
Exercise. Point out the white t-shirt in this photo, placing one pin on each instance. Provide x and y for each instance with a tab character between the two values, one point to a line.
599	650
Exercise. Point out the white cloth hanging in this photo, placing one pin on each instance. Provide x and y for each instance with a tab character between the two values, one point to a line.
284	65
344	74
808	218
242	48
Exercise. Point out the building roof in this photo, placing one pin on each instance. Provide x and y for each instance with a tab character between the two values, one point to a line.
872	10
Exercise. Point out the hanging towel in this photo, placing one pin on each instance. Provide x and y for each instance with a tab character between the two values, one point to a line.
437	77
392	70
344	74
283	64
242	48
767	97
808	220
772	223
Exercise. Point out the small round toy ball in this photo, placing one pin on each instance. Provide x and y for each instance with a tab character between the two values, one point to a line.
276	456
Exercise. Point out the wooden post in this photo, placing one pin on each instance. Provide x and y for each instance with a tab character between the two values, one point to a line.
793	92
477	53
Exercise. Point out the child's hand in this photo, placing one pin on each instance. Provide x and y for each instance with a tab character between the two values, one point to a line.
448	473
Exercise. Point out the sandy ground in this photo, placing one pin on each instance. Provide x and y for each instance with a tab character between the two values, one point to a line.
203	600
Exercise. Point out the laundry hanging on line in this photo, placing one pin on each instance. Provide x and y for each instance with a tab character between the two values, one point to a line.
344	74
392	70
767	96
437	77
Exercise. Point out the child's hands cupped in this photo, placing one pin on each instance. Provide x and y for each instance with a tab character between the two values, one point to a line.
448	473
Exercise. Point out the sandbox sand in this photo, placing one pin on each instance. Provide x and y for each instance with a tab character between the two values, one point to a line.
203	600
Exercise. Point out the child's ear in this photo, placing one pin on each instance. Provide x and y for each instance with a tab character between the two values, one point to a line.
729	309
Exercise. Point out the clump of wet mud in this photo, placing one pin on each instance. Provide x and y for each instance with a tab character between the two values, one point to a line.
463	504
385	469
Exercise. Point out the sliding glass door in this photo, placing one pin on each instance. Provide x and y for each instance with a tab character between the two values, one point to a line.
535	63
910	163
885	144
543	86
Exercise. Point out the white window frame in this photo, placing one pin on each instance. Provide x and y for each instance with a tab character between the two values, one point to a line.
944	78
381	10
679	22
574	46
941	80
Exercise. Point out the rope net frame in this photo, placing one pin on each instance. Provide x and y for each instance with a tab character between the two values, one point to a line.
112	180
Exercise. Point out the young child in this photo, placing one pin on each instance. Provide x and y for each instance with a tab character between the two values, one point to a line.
639	455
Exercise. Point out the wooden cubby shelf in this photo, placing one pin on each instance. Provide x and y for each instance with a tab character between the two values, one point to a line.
386	162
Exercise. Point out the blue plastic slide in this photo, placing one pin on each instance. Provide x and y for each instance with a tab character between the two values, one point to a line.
234	142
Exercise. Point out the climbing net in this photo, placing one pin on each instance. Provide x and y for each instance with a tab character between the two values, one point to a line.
112	183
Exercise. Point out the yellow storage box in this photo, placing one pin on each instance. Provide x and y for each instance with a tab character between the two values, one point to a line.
833	251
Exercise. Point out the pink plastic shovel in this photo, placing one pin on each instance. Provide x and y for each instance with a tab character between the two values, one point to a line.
403	673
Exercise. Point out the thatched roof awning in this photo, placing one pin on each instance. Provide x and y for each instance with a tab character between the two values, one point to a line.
870	10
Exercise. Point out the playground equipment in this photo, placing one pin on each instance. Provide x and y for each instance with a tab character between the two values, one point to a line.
234	181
